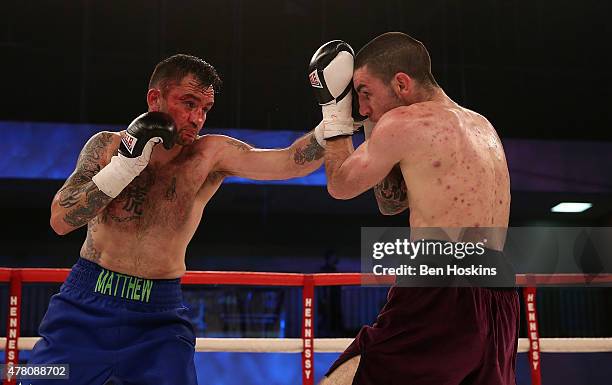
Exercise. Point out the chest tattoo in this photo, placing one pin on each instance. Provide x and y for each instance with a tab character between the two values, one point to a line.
134	197
171	191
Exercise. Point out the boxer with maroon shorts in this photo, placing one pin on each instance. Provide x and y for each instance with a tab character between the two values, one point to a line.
444	162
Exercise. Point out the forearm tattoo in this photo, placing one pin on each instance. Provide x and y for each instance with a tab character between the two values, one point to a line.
79	187
95	200
391	193
70	196
312	151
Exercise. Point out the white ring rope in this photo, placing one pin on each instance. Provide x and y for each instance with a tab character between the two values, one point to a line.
337	345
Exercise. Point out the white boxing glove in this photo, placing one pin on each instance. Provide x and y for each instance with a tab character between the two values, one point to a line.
330	75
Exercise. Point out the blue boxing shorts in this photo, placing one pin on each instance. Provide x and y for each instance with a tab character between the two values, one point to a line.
112	328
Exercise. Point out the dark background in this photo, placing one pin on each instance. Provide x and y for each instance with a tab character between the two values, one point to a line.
536	69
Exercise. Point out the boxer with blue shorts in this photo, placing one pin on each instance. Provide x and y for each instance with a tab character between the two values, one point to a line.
111	326
119	317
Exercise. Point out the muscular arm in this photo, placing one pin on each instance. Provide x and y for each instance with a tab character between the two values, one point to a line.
79	200
351	172
237	158
391	193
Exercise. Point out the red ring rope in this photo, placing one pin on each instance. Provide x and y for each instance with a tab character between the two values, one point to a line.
308	281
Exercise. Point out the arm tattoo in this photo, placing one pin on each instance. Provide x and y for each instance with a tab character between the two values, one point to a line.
88	164
241	146
70	196
96	200
79	184
312	151
392	194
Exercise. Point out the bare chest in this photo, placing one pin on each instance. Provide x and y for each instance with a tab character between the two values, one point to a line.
158	197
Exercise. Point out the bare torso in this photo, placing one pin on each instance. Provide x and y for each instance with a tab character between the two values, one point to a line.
146	229
458	176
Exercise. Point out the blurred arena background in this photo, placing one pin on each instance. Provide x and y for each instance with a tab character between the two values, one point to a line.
539	71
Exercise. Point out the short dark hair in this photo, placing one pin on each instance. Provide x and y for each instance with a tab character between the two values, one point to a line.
394	52
173	69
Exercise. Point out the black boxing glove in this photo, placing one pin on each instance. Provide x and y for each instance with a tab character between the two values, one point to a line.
148	126
135	150
330	74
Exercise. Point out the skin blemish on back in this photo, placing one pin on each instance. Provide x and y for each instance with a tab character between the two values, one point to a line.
437	163
448	187
439	181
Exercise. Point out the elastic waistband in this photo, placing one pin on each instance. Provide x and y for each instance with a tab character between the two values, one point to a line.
90	277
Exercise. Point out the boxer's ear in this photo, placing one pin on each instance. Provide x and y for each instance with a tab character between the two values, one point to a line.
154	99
402	83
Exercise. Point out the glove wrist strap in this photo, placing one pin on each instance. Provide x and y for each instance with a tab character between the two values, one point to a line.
113	178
